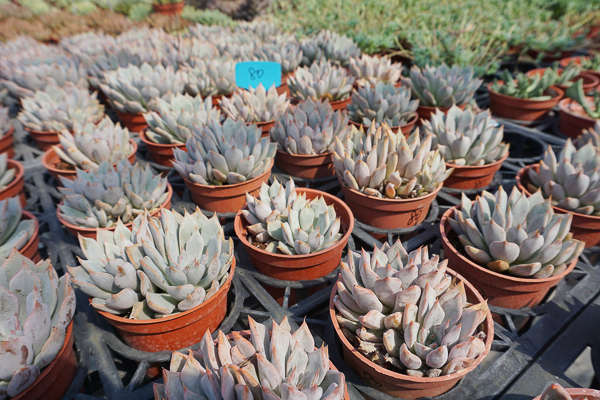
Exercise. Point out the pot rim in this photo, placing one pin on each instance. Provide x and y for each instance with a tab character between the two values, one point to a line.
261	123
36	231
433	108
48	153
476	167
489	325
147	141
10	163
8	134
515	279
592	80
579	392
557	90
411	121
305	156
393	201
95	230
237	224
126	321
565	106
235	185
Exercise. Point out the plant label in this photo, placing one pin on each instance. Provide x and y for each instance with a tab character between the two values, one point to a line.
252	73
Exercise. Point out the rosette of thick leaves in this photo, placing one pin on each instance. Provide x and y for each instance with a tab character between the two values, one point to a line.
382	103
284	50
322	81
14	232
589	135
209	77
372	70
7	175
328	46
255	105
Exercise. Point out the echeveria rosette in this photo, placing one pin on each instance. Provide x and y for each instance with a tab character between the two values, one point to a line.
309	128
322	81
225	153
268	364
403	311
330	46
382	103
572	180
7	175
284	50
283	221
37	308
15	233
589	135
255	105
465	138
163	266
373	70
385	164
209	77
101	197
516	235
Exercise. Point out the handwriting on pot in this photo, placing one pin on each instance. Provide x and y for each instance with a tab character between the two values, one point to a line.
252	73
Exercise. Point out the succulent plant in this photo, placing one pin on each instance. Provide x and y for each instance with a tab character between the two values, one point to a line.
5	124
516	234
382	163
403	311
54	108
7	175
37	308
320	82
163	266
284	51
99	198
255	105
465	138
382	103
210	77
442	86
91	144
309	128
331	46
283	221
175	118
271	364
557	392
591	105
589	135
372	70
591	62
227	153
564	76
14	232
131	89
524	87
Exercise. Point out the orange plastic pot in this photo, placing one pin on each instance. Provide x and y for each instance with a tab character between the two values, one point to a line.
576	393
299	267
388	213
499	289
406	128
168	9
134	122
573	118
306	166
264	127
76	230
471	176
6	143
56	378
424	112
176	331
30	250
50	159
44	139
340	104
225	198
15	188
404	386
589	80
523	109
583	227
161	153
284	88
577	60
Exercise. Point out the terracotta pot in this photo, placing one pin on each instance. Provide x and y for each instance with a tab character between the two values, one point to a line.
76	230
499	289
177	331
168	9
264	127
133	122
50	159
404	386
306	167
225	198
589	394
161	153
30	250
472	177
55	380
424	112
583	227
15	188
388	213
300	267
284	88
594	31
523	109
6	143
406	128
577	60
573	119
43	140
589	80
340	104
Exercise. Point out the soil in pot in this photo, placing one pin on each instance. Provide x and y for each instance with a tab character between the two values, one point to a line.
404	386
424	112
306	166
177	331
133	122
406	128
168	9
44	139
472	177
225	198
161	154
573	118
525	110
6	143
300	267
15	188
499	289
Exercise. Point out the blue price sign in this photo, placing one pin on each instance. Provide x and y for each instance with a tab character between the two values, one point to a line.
252	73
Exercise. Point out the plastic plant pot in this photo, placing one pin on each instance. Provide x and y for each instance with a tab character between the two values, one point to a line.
525	110
161	153
472	176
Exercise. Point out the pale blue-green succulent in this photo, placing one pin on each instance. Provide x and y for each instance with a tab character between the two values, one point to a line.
322	81
15	232
209	77
328	46
382	103
255	105
372	70
7	175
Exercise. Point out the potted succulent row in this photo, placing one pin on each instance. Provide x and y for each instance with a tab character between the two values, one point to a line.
262	363
388	181
162	283
590	64
97	199
6	133
294	233
223	162
305	136
578	112
470	143
171	123
215	78
408	323
565	77
12	179
328	45
38	361
20	230
168	7
368	70
513	248
557	392
46	113
87	147
285	51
